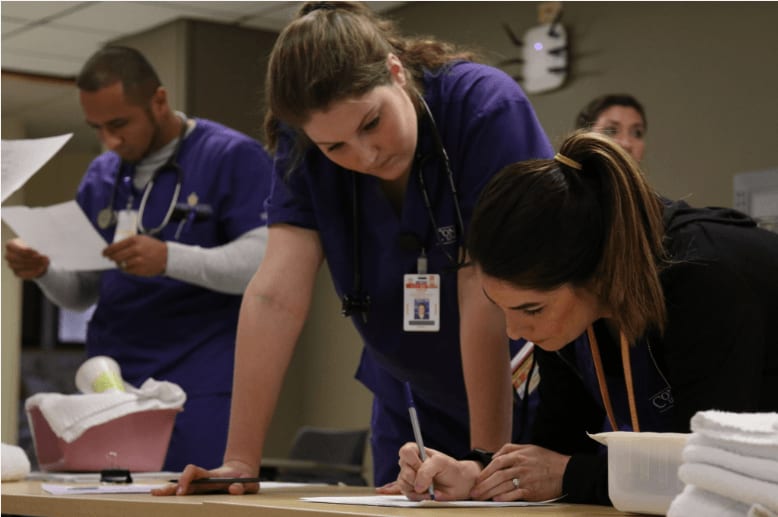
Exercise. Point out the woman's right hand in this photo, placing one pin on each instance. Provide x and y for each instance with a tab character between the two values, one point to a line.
233	469
453	479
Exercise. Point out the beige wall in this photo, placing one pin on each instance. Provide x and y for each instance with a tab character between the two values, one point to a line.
705	72
10	333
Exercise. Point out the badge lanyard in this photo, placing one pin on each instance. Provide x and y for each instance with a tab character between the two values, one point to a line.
601	381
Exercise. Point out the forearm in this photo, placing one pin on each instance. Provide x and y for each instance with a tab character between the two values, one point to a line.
266	337
74	290
272	314
486	366
226	268
487	379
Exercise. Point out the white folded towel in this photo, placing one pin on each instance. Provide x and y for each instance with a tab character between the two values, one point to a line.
696	501
730	484
749	434
69	416
768	452
753	428
757	468
15	463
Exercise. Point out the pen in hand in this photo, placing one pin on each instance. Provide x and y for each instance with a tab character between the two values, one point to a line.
417	431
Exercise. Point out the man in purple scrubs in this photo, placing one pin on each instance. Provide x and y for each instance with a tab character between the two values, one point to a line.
181	202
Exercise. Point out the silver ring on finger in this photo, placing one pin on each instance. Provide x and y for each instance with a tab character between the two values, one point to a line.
515	482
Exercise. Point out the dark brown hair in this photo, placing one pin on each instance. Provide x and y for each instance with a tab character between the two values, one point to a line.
336	50
540	224
114	64
591	112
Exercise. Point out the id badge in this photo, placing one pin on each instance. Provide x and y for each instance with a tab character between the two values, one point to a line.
126	225
520	370
421	303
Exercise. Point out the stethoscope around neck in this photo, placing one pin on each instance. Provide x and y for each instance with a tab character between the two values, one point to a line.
107	216
358	300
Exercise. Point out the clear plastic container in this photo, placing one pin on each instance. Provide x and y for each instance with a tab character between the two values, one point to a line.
643	469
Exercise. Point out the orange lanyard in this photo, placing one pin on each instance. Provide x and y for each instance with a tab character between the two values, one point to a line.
606	400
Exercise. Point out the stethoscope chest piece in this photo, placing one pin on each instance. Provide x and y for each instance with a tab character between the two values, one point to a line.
106	218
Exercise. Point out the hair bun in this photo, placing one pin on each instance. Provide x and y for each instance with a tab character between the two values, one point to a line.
309	7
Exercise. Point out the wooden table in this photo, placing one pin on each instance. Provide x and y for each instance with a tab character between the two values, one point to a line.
28	498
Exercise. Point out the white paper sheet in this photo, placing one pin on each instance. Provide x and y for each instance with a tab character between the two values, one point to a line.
402	502
94	477
22	158
62	232
132	488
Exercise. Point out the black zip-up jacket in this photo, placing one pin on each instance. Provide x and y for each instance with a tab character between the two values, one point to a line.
719	350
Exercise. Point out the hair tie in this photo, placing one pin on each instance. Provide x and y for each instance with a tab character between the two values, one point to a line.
318	6
561	158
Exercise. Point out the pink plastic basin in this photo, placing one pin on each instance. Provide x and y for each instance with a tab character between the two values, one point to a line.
137	442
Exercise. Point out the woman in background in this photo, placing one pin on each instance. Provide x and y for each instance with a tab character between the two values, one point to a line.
620	116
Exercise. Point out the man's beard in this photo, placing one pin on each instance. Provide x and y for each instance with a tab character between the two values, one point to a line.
154	141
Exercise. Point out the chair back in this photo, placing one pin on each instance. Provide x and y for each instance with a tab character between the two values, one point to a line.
338	453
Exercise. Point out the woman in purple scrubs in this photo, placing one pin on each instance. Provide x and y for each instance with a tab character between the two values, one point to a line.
382	145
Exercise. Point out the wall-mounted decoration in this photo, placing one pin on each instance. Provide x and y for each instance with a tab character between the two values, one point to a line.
544	51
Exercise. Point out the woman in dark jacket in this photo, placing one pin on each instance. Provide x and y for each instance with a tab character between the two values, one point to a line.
643	312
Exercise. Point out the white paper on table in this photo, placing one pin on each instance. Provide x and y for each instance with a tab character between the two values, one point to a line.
264	485
62	232
135	488
402	502
94	477
22	158
132	488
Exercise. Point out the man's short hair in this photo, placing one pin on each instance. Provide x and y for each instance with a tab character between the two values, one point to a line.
113	64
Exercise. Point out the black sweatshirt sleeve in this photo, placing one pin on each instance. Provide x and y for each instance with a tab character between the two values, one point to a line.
586	479
566	413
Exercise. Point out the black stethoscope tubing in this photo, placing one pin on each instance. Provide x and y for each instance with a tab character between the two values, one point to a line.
441	151
359	300
107	216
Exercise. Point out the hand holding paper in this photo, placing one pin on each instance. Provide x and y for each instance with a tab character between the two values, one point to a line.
62	232
25	262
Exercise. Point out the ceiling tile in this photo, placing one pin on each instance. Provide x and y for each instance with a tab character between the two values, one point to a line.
120	17
34	10
46	40
11	25
21	61
55	38
236	10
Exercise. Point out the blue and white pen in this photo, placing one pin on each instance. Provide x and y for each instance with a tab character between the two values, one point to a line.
417	430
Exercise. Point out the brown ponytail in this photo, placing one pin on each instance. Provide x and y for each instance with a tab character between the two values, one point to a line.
542	223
